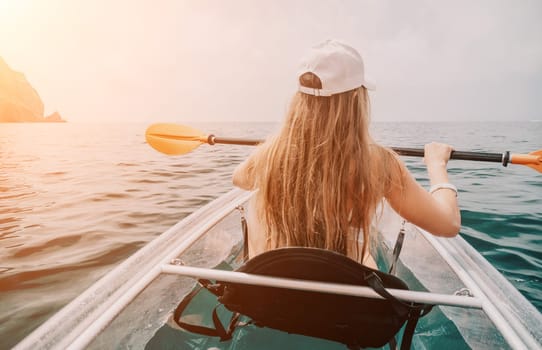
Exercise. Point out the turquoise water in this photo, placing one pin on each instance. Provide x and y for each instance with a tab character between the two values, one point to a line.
76	199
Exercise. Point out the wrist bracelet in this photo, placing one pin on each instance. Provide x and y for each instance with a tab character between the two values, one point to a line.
448	186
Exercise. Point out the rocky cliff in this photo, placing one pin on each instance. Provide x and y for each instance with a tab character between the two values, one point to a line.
19	101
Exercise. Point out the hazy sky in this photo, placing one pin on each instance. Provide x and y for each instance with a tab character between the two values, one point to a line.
175	60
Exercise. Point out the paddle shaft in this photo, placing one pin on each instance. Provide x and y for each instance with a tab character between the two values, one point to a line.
212	139
503	158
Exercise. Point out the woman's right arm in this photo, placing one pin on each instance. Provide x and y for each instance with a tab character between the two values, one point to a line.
437	212
243	175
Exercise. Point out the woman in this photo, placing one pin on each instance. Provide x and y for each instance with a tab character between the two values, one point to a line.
321	179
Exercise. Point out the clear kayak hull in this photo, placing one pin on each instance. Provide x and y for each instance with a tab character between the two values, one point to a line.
133	303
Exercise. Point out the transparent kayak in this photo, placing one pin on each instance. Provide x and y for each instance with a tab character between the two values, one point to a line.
131	306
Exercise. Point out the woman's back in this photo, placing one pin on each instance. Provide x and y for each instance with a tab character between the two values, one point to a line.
321	178
310	232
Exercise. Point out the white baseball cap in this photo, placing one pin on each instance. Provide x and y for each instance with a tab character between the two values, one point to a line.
338	66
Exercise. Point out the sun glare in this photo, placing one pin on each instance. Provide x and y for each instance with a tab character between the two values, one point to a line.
11	10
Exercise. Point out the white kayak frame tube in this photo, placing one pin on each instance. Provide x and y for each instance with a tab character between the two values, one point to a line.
90	326
326	287
516	336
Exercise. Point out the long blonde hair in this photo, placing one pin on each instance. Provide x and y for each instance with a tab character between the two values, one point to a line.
321	178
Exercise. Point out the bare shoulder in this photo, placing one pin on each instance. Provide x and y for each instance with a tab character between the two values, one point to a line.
388	164
244	175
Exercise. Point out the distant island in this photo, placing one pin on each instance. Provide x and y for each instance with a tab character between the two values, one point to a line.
19	101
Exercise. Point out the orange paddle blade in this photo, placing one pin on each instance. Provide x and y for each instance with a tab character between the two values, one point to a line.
532	160
174	139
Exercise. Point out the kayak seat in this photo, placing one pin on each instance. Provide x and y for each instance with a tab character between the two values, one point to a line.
357	322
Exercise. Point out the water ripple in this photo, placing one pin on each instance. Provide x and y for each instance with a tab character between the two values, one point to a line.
70	209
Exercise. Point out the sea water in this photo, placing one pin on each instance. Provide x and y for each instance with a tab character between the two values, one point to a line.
77	199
